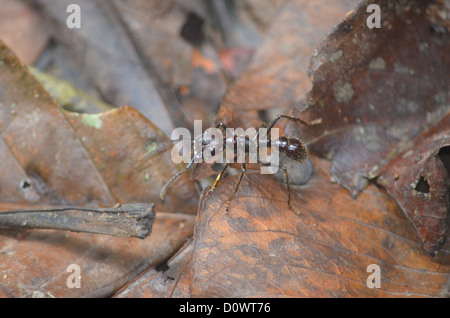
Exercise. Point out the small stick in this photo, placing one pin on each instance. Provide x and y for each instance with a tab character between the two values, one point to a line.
127	220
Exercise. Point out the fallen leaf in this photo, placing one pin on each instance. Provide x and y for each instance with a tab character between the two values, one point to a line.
69	97
155	28
169	280
419	180
103	55
277	75
262	249
91	162
374	90
53	157
36	265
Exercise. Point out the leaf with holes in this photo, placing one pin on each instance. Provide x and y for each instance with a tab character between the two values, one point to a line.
376	89
419	179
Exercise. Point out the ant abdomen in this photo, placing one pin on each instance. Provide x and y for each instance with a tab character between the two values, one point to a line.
293	148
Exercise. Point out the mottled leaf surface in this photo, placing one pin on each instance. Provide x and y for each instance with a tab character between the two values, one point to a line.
419	180
262	249
376	89
50	156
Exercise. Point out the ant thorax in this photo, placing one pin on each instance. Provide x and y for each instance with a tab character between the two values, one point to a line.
207	146
237	146
197	148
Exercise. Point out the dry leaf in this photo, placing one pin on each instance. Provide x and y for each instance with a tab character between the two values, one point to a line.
419	180
50	156
376	89
262	249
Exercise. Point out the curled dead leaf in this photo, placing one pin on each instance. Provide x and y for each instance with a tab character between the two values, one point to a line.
419	180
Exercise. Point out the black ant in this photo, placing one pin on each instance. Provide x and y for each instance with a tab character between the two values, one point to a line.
293	148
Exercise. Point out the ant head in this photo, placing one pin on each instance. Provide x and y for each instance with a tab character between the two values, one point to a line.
293	148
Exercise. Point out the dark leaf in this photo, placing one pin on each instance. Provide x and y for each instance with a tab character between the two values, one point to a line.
106	58
419	180
376	89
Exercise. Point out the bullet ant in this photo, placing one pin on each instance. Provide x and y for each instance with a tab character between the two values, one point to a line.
293	148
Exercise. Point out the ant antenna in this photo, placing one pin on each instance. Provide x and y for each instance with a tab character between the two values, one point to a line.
159	148
164	189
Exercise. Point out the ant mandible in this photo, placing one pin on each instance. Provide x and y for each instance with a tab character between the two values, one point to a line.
293	148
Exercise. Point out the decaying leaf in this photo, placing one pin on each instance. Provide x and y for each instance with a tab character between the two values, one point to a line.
419	180
155	26
105	56
51	156
375	89
170	279
69	97
34	264
262	249
22	30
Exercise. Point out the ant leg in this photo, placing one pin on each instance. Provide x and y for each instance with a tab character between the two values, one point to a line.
244	170
164	189
263	125
219	177
258	140
288	185
272	123
221	125
286	180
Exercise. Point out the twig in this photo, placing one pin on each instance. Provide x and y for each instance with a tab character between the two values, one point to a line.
127	220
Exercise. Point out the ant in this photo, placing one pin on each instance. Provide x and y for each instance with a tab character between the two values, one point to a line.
293	148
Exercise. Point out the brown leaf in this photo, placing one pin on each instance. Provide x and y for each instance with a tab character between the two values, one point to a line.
117	142
49	156
419	180
201	99
170	280
35	266
262	249
376	89
92	160
177	62
155	28
277	75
